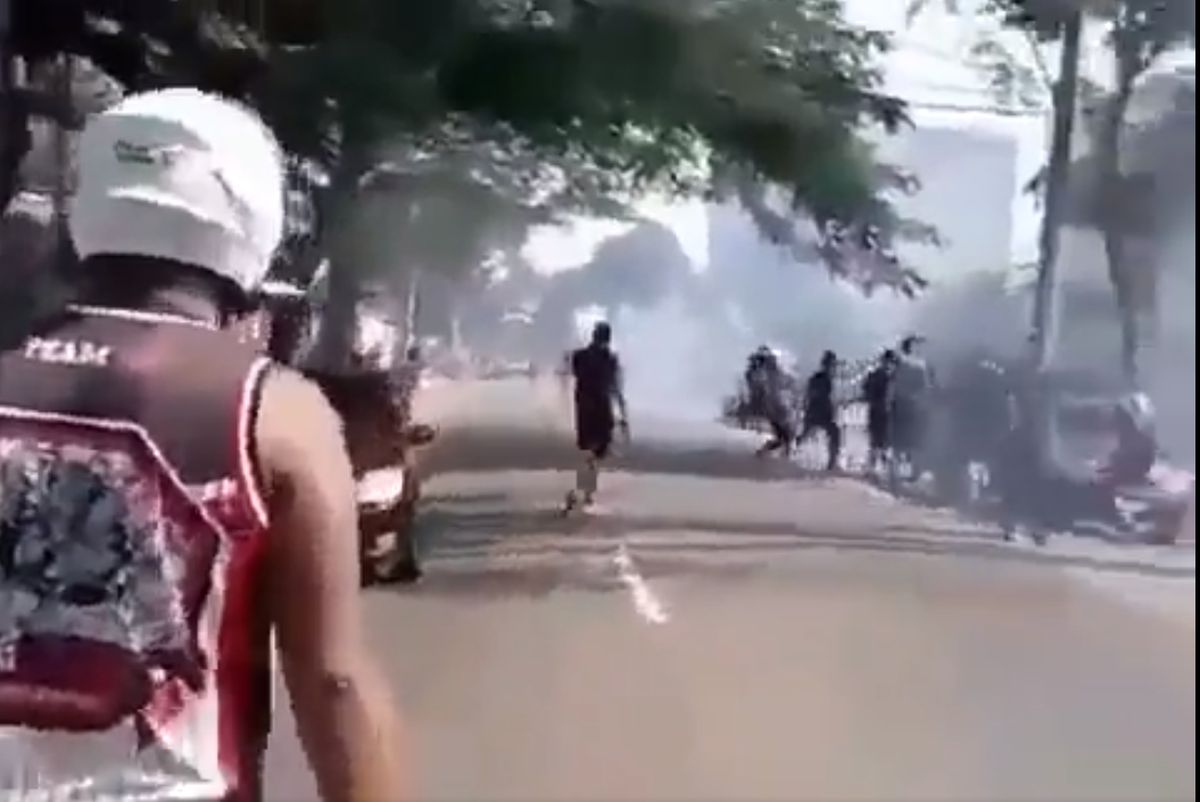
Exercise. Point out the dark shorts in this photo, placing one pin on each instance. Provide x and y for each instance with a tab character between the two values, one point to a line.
782	429
878	429
908	427
593	430
820	421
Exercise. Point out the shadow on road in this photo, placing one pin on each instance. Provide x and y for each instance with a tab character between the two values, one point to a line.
484	450
529	552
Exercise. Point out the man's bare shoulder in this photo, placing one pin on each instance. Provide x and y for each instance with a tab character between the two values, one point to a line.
297	427
285	388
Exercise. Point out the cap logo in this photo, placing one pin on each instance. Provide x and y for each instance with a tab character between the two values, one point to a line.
147	155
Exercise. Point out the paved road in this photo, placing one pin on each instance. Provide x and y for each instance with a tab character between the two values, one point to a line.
724	629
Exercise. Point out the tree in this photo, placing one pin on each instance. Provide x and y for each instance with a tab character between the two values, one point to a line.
136	43
617	96
1139	32
611	97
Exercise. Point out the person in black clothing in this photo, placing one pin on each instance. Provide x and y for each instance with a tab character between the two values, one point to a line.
912	393
597	372
877	393
767	384
819	411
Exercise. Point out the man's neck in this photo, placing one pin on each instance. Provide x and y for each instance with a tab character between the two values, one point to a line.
188	302
181	301
180	294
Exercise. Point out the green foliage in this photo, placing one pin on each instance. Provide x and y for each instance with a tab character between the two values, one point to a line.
142	43
1138	30
1013	81
1044	18
1144	27
139	43
611	97
650	93
1120	205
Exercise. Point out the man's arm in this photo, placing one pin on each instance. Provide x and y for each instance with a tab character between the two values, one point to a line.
618	390
866	390
810	389
344	712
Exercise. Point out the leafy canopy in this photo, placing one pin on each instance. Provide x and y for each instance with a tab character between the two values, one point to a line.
665	93
620	95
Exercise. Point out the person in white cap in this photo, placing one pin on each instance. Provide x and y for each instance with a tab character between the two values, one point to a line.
169	498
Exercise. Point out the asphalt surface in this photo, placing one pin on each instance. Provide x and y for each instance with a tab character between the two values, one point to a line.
725	628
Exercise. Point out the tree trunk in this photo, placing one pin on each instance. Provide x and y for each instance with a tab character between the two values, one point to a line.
412	309
1127	302
339	318
1113	222
1045	313
15	139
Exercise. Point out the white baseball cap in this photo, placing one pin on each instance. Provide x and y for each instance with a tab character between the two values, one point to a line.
179	174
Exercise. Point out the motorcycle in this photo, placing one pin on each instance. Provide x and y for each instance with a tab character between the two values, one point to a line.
1153	512
387	499
982	461
382	448
1008	486
381	441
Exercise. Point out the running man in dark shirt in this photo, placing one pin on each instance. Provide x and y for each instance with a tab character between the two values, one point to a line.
767	385
598	388
912	390
819	412
877	393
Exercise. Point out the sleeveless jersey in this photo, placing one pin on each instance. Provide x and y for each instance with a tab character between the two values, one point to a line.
134	651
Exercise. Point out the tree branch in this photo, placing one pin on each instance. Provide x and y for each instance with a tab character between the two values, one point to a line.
1039	60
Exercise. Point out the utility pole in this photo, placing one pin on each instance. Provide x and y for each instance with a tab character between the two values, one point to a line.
1045	313
412	310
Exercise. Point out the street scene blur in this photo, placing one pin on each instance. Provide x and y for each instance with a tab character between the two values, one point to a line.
727	399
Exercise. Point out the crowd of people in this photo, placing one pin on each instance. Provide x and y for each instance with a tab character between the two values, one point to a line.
896	392
983	414
217	491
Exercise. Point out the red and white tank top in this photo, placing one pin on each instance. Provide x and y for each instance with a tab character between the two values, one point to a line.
134	646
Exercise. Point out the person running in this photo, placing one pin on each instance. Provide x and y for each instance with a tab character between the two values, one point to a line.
766	384
877	393
171	499
912	388
598	388
820	412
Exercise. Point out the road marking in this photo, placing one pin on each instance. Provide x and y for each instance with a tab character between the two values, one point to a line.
648	606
